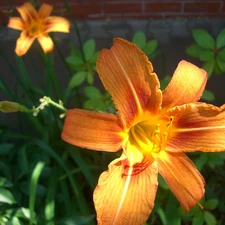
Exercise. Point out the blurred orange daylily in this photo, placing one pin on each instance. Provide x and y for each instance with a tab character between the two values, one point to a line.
36	25
154	128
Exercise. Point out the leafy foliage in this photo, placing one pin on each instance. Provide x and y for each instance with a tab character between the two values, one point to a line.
209	50
148	47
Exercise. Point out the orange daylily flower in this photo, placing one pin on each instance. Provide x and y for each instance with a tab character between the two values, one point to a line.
36	25
154	129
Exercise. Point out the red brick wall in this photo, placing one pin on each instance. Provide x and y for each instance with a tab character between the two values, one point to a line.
122	9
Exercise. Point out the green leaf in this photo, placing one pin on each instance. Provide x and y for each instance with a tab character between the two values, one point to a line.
220	64
209	218
139	39
198	219
5	148
208	96
33	187
220	40
16	221
208	66
94	58
165	81
162	216
206	55
162	183
194	50
204	39
77	220
217	69
171	210
26	212
95	104
23	160
202	159
50	198
92	92
6	90
6	196
211	204
150	47
90	77
89	49
221	54
84	167
23	71
73	50
5	183
74	60
215	159
77	79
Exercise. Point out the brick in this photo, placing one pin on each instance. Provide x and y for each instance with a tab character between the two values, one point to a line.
144	16
190	15
223	7
3	18
85	1
122	8
163	7
83	11
202	7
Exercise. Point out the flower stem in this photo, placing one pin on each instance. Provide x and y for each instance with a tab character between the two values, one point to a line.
46	101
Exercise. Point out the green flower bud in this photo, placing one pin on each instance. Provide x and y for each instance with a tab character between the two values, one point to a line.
7	107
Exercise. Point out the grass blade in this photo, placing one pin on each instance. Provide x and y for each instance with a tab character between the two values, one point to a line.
33	187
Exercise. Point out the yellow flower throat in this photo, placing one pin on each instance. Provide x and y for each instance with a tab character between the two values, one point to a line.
36	28
149	137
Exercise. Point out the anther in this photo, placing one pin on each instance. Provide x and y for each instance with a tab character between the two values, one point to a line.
170	122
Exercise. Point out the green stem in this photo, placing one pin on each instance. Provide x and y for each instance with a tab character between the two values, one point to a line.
76	29
62	57
51	75
57	105
9	107
45	101
14	72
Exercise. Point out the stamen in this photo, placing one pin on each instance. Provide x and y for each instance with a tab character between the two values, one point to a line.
156	139
164	140
149	139
199	204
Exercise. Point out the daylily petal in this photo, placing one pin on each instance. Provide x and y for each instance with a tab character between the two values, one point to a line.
57	24
27	12
23	43
184	180
45	10
197	126
92	130
16	23
128	76
46	43
187	84
125	199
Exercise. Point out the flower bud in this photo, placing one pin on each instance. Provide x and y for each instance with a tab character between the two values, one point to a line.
7	107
